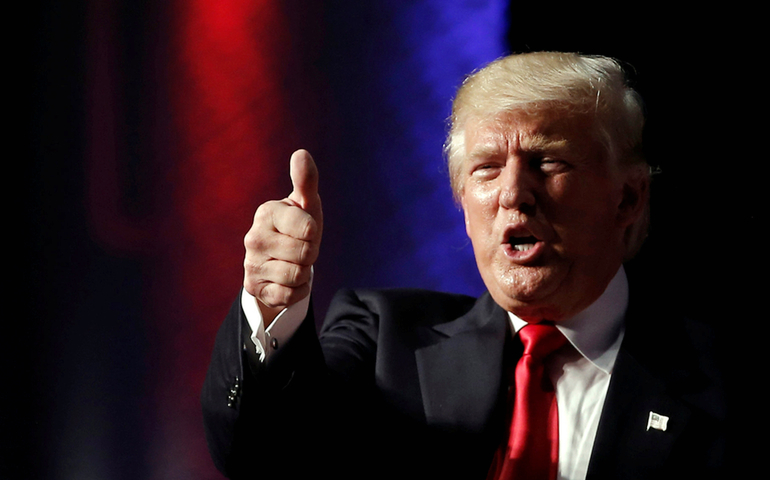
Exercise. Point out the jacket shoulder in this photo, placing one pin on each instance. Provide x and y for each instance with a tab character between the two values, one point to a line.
400	304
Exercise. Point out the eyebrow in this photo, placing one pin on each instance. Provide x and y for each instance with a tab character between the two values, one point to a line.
532	143
541	143
486	150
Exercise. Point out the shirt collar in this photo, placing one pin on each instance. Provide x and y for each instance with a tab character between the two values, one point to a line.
597	331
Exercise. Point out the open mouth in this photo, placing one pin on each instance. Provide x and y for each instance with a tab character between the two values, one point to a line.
522	244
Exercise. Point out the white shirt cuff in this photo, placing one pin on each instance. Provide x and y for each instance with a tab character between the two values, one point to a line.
279	331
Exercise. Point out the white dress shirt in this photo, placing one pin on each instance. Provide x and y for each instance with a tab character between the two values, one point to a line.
581	375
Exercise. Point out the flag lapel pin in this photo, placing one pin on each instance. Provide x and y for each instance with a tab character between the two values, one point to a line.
657	421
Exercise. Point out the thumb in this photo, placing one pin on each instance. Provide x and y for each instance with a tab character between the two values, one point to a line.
304	179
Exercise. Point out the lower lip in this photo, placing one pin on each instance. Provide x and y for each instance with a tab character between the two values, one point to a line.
526	256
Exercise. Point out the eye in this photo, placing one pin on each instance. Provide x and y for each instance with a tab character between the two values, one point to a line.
486	170
550	165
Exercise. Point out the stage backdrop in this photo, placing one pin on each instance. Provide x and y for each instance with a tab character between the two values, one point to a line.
190	113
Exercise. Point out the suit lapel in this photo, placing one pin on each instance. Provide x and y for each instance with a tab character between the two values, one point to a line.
460	369
656	371
623	441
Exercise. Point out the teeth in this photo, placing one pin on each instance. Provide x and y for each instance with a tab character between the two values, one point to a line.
523	247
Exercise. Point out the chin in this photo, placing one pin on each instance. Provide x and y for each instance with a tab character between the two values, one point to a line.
529	292
531	311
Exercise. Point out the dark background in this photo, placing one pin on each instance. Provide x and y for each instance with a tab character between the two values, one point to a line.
109	349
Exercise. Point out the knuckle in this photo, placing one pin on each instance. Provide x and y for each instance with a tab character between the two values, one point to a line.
264	294
275	295
308	252
263	216
254	238
303	252
250	240
264	211
254	277
251	286
249	268
308	228
292	275
256	241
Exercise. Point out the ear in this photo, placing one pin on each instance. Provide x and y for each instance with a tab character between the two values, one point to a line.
634	197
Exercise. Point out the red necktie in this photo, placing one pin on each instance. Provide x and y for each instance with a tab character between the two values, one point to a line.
532	451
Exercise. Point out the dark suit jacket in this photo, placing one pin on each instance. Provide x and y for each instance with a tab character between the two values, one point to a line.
410	384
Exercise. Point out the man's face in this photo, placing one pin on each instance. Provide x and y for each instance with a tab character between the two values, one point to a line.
545	211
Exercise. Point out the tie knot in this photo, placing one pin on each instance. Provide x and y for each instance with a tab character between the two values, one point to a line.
540	340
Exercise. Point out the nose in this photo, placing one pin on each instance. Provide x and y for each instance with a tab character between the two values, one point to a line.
518	187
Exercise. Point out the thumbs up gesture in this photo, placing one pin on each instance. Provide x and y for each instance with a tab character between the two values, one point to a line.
282	244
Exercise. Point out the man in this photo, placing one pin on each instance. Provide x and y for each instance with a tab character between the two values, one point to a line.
545	159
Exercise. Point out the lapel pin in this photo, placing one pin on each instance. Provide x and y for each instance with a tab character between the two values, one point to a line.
657	421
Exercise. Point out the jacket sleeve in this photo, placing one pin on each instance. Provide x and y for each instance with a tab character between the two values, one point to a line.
254	413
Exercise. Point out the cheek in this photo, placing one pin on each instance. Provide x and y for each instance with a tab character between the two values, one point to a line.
566	189
579	200
480	210
585	222
481	200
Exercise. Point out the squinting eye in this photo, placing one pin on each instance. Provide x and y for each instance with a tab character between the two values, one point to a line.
552	166
485	171
485	167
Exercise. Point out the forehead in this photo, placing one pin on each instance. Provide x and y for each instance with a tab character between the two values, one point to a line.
548	131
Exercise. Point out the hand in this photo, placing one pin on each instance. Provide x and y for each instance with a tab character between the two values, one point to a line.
282	244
